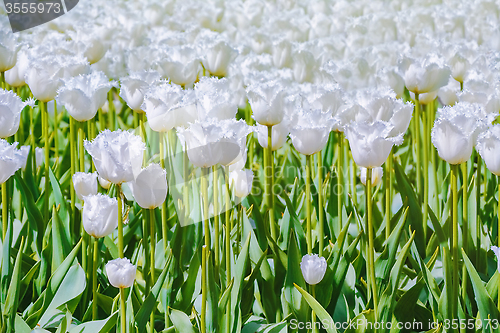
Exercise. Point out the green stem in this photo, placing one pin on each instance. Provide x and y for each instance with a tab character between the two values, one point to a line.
320	204
416	119
204	193
81	137
33	143
120	220
340	184
4	210
308	204
204	288
313	314
164	230
185	164
45	129
216	220
371	248
56	127
269	178
111	110
2	80
123	311
388	195
478	207
152	243
72	143
94	279
102	120
454	175
426	171
465	228
146	268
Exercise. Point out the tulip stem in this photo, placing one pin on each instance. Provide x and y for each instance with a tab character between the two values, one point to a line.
204	288
185	193
120	220
269	178
123	311
33	143
152	243
478	207
4	210
426	136
308	203
45	130
320	204
339	190
81	137
216	220
229	227
454	175
371	249
416	119
465	228
111	110
94	279
313	314
56	141
73	163
164	204
388	195
204	193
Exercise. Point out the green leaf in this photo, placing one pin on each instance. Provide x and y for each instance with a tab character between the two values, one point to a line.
325	318
97	326
486	306
294	277
60	241
12	300
61	202
181	321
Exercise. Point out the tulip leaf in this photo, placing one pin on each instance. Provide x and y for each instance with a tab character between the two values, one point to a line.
12	299
35	218
142	316
60	240
486	306
415	207
61	202
97	326
294	276
181	321
325	318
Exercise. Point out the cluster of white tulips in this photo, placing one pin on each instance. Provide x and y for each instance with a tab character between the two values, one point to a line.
392	103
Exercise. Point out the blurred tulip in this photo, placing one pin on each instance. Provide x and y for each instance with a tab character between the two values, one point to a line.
313	268
180	65
85	184
99	215
214	99
117	155
8	50
83	95
218	55
150	187
121	273
15	76
241	181
279	135
377	174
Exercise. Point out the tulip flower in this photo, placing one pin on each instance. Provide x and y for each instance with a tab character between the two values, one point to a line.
83	95
312	131
117	155
121	274
10	112
150	187
377	174
313	268
180	65
424	75
267	101
15	76
8	51
218	55
134	87
370	142
496	250
104	183
459	67
99	215
214	99
168	106
241	181
85	184
488	146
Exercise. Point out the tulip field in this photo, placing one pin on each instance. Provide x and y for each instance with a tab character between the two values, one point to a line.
251	166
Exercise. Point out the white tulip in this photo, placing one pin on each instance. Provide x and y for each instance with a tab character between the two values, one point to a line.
134	87
150	187
426	75
99	215
8	50
312	131
121	273
180	65
117	155
15	75
85	184
313	268
241	182
488	146
217	57
267	101
496	250
214	99
11	160
10	112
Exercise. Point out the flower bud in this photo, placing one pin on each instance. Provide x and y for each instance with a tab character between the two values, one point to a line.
241	181
100	215
150	187
85	184
121	273
313	268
